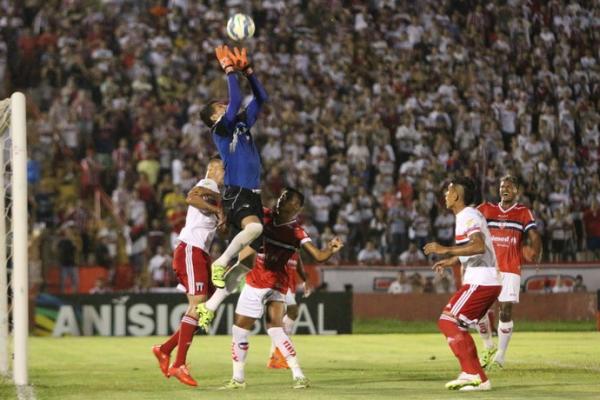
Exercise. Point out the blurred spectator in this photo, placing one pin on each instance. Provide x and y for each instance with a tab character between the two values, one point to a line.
400	285
591	221
416	283
429	287
579	286
100	287
159	268
422	90
68	250
412	256
369	255
560	287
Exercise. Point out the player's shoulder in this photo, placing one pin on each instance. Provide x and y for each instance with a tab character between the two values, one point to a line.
209	184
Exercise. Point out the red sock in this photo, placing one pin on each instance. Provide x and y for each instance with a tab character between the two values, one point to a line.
472	358
463	347
168	346
186	335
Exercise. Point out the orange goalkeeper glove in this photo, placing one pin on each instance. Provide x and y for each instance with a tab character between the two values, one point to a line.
240	60
224	56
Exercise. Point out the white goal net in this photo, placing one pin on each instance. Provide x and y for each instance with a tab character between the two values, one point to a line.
14	289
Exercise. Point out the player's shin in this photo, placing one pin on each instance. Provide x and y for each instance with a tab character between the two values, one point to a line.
285	345
186	335
485	331
505	330
288	325
216	299
239	351
462	345
250	232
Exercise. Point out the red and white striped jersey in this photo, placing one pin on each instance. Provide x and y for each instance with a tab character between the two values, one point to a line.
507	228
480	269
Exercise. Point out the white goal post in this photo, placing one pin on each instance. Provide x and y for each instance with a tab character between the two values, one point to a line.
14	238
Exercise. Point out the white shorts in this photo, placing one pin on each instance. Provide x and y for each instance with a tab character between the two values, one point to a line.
252	301
290	298
511	286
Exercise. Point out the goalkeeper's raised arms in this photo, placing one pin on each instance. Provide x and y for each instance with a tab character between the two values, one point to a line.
224	56
240	60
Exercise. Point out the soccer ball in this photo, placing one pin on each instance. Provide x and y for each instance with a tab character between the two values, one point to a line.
240	27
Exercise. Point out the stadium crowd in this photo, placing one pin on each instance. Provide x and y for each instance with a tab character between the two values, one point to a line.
372	105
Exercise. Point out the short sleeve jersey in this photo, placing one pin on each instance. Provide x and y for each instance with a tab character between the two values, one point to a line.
480	269
281	242
507	228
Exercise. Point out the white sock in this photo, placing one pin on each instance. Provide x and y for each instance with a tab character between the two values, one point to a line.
216	299
485	331
505	330
288	325
241	240
285	345
239	351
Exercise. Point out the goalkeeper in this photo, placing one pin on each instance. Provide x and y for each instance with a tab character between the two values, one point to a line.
230	130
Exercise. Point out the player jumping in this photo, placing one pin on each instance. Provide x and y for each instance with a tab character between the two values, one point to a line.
267	284
231	134
508	221
191	263
481	283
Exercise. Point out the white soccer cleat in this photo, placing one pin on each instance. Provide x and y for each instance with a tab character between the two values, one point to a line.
464	380
487	385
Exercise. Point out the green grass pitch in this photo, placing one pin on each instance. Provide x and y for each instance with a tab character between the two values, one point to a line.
541	365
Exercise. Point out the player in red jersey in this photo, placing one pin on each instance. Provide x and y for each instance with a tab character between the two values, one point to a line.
293	267
509	223
191	263
481	282
267	283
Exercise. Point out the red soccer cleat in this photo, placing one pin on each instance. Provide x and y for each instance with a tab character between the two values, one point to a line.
163	360
183	374
277	360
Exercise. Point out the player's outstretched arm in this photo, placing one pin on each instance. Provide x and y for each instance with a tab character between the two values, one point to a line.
233	87
240	60
322	255
475	245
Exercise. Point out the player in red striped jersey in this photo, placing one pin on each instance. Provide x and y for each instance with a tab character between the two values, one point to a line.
481	284
510	223
191	264
268	282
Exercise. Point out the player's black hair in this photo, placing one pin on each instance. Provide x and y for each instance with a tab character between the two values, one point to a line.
295	193
207	112
469	188
511	178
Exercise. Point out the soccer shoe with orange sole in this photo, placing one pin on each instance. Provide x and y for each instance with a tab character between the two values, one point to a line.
163	359
277	361
183	374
